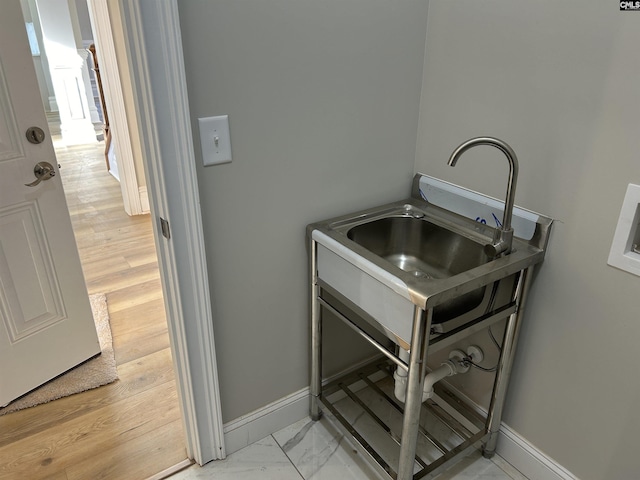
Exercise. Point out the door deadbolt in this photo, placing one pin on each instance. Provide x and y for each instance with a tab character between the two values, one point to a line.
43	171
35	135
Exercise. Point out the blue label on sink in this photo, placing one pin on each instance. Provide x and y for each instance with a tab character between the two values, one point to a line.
476	206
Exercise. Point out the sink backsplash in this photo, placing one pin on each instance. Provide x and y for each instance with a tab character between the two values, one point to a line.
473	205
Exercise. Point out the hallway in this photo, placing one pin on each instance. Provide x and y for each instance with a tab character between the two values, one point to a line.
131	428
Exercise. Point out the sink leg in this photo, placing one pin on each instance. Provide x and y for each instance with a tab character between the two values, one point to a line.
505	363
415	383
316	338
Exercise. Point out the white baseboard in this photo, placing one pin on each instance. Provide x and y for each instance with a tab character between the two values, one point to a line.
526	458
144	199
254	426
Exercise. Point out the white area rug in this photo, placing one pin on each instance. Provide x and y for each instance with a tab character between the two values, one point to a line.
93	373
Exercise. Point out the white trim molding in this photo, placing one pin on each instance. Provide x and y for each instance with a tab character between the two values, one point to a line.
53	104
256	425
156	60
527	458
144	199
249	428
114	99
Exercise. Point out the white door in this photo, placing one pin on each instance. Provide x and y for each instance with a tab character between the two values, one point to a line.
46	325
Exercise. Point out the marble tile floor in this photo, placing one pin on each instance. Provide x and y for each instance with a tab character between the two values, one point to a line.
316	450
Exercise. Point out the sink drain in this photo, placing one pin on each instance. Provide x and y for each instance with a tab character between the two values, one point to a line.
420	274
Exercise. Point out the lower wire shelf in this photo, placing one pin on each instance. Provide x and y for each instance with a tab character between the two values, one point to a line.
363	406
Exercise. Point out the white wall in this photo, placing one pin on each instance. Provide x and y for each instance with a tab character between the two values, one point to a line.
559	82
323	99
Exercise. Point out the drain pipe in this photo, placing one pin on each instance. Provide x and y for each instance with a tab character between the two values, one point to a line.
455	364
451	367
400	376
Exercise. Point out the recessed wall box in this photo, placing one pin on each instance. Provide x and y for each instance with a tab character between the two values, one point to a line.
625	249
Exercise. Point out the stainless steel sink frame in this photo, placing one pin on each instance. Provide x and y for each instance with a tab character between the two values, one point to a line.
471	280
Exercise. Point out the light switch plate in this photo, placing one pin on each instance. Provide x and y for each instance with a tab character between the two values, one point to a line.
215	140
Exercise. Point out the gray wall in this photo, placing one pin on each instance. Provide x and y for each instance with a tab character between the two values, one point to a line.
323	99
559	82
84	22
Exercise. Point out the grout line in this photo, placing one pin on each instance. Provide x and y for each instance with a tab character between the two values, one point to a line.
288	458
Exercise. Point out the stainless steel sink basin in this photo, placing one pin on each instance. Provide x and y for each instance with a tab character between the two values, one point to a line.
419	247
426	251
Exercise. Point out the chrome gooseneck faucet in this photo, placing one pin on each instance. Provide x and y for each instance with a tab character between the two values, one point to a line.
503	236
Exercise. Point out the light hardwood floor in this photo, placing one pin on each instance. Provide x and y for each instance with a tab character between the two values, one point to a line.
132	428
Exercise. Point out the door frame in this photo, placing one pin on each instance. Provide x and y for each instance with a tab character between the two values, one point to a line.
152	32
134	204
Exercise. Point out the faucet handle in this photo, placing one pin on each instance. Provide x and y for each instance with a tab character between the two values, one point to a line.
502	241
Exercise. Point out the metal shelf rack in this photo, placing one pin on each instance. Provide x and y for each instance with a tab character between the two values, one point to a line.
362	405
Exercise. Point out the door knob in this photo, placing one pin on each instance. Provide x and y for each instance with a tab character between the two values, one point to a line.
42	171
